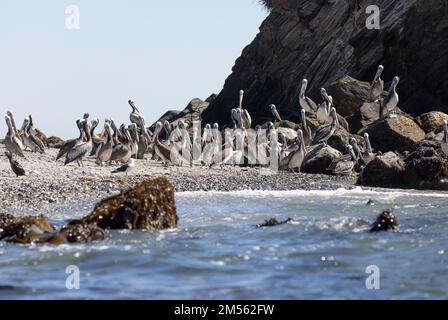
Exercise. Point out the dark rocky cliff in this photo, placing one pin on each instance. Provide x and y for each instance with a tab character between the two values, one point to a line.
323	40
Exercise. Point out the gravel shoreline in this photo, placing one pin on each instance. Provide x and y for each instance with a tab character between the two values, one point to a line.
49	185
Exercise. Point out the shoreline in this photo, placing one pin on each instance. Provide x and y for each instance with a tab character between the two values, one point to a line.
50	187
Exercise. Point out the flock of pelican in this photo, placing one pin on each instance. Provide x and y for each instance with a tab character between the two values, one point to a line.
179	143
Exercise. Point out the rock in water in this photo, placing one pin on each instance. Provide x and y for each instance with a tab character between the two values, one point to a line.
385	221
398	133
319	159
149	205
24	230
385	171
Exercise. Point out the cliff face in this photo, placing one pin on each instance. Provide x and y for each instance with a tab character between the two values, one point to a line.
323	40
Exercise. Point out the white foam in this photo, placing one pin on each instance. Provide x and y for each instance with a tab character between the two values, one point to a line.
358	191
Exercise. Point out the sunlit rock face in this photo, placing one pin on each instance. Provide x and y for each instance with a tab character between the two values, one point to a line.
324	40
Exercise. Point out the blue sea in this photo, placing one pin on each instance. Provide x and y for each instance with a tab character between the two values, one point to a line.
216	252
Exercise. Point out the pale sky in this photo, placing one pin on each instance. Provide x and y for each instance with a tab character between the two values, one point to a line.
159	53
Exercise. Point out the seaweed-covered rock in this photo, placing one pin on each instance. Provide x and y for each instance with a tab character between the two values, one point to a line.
149	205
432	121
319	159
397	133
426	167
81	232
385	221
384	171
24	230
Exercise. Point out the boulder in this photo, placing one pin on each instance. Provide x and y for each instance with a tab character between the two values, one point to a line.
432	121
149	205
398	133
24	230
349	94
385	171
339	140
426	167
319	159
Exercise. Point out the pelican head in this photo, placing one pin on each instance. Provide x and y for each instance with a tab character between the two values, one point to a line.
208	126
271	126
241	99
379	72
159	126
216	126
351	152
333	113
300	136
367	141
304	86
394	84
25	124
303	117
275	113
86	116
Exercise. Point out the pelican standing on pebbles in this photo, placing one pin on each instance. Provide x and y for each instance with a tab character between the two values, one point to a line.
104	151
12	142
15	166
160	149
122	152
391	101
69	144
325	132
305	102
377	85
30	140
81	149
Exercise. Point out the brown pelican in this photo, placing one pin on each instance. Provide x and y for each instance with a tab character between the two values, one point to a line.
307	134
12	142
13	125
96	141
126	168
324	108
36	132
296	157
377	86
69	144
134	139
305	102
104	151
445	138
135	115
391	101
356	148
245	118
30	140
325	132
81	149
122	152
15	166
235	118
117	136
275	113
344	165
160	149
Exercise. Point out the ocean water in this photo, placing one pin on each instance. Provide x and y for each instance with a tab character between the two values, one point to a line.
217	253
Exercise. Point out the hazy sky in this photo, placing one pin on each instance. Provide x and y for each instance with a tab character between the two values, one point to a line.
160	53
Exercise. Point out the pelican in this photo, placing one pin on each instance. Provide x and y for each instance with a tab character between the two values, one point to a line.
104	151
15	166
245	118
324	109
207	136
377	86
305	102
325	132
275	113
355	147
69	144
344	165
81	149
135	115
368	154
96	141
12	142
307	134
126	168
134	138
13	125
122	152
296	157
36	132
391	101
160	149
29	140
235	118
445	138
